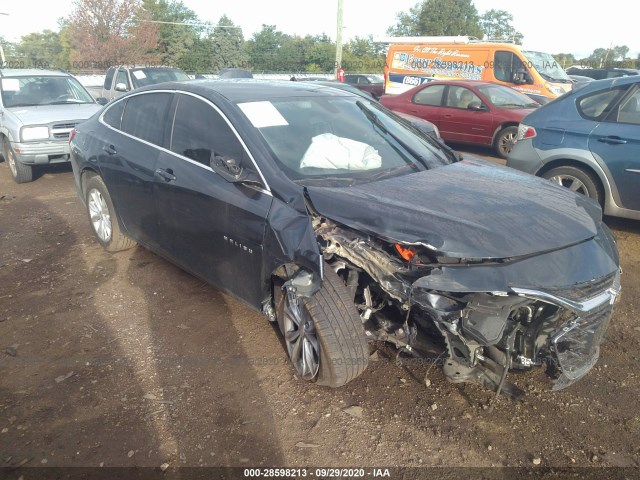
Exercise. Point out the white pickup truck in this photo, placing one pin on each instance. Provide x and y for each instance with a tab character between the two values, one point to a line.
120	80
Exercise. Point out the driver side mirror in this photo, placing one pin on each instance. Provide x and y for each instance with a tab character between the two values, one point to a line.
121	87
102	101
477	106
232	171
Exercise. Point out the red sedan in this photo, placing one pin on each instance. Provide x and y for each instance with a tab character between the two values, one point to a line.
480	113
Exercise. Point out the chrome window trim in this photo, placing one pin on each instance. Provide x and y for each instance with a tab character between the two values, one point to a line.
266	190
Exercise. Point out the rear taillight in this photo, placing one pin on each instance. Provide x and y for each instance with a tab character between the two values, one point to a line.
72	134
525	131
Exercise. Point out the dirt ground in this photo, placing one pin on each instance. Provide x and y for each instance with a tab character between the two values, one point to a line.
125	360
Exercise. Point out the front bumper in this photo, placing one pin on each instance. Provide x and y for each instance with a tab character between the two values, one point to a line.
42	153
576	344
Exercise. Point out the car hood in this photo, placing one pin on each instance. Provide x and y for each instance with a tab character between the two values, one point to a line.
469	209
43	114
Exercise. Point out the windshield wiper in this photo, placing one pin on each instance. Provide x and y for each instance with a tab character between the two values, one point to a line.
23	105
391	171
549	78
519	105
65	102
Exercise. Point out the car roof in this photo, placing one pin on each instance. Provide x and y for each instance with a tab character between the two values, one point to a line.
31	72
610	82
466	83
248	90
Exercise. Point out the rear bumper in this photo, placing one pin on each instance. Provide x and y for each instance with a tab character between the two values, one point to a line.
42	153
524	157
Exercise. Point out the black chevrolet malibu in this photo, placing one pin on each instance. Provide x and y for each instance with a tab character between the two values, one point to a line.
344	224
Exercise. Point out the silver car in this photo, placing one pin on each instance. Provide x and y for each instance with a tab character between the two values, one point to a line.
38	111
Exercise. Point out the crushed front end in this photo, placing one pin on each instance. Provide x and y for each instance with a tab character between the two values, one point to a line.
483	317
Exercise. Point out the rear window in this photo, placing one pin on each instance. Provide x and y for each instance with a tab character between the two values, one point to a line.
142	77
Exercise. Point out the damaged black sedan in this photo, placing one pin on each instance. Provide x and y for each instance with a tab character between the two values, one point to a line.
344	224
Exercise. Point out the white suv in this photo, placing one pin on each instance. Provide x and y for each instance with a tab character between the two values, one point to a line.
38	110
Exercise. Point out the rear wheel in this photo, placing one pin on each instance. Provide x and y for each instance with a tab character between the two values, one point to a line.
102	217
505	140
324	336
576	180
20	172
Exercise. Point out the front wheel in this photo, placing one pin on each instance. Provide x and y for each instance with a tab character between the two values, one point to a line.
577	180
505	140
324	336
20	172
102	217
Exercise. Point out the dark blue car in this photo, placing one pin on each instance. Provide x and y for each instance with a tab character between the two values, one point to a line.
343	223
588	141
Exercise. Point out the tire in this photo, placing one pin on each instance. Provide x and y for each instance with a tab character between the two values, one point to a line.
340	347
20	172
102	217
577	180
504	141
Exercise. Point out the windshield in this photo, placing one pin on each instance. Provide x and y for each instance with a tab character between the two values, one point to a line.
340	140
42	90
150	76
505	97
547	67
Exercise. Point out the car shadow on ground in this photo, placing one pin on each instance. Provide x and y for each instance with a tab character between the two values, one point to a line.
202	364
623	224
105	365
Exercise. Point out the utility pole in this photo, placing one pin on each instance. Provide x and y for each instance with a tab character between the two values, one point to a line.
339	40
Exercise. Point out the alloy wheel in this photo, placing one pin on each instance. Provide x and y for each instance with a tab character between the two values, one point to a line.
570	182
300	337
99	214
507	142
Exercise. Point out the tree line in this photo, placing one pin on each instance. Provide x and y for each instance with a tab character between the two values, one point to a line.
100	33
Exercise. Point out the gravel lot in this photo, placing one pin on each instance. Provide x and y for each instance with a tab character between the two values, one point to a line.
125	360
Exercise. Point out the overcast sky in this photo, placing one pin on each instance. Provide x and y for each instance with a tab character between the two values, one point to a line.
550	26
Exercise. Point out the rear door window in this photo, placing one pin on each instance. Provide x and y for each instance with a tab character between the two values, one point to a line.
431	96
144	116
598	105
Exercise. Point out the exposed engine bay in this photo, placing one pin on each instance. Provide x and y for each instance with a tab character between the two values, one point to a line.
433	306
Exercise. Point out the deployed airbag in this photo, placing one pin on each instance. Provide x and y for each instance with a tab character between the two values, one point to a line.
333	152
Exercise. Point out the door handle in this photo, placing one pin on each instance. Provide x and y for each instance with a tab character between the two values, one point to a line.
413	111
613	140
447	115
110	149
167	175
